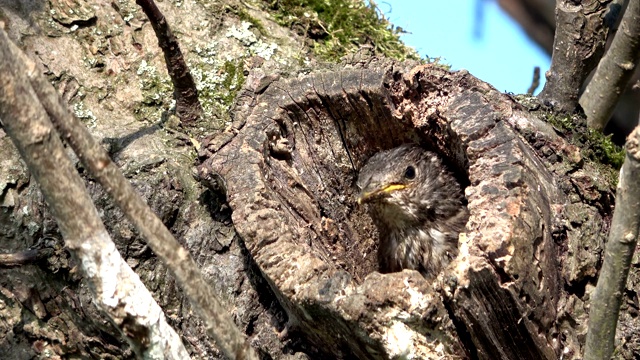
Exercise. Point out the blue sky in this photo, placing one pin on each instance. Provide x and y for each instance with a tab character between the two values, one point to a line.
501	54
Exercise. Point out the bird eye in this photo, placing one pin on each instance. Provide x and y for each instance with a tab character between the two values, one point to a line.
410	172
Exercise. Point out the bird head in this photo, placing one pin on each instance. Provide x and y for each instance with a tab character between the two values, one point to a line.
384	184
416	204
398	183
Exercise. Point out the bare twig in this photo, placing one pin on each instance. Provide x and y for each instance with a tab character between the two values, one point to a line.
24	257
578	45
188	106
614	71
535	82
117	290
623	237
220	325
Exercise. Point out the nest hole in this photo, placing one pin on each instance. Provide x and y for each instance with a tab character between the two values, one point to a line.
327	137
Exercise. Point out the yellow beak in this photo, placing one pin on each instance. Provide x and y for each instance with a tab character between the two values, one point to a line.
386	189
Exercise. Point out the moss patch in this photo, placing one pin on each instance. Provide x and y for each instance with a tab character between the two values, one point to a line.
340	27
157	93
218	82
594	144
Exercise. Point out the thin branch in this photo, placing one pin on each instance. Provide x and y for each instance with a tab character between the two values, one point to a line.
614	71
24	257
623	237
535	82
581	33
206	303
188	106
116	289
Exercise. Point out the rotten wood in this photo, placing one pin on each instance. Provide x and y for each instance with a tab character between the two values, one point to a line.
506	274
531	248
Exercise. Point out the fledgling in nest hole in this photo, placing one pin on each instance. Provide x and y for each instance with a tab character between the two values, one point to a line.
418	207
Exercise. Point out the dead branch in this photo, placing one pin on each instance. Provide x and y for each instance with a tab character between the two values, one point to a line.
188	106
117	290
24	257
535	82
220	326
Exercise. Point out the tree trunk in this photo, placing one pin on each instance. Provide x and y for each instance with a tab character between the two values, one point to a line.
277	229
532	245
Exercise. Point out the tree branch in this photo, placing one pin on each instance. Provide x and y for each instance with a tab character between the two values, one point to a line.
614	71
24	257
535	82
117	290
188	106
206	303
578	45
623	237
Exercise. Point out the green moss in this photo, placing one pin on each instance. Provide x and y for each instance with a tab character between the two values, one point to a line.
218	84
233	81
156	90
562	122
594	144
340	27
606	149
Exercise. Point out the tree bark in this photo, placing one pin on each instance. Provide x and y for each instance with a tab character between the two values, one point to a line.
291	250
581	33
623	239
517	290
114	287
613	73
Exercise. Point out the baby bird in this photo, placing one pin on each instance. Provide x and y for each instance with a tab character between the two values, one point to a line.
417	206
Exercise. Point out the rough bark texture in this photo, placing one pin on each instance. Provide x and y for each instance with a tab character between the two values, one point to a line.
613	73
97	65
203	299
188	106
300	278
581	33
114	286
531	247
619	251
